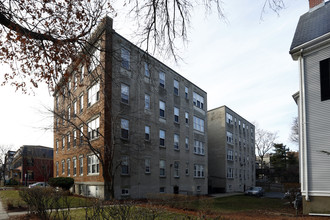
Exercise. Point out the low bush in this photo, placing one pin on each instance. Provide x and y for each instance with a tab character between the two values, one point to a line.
63	182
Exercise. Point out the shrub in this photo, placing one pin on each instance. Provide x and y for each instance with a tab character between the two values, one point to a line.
12	182
63	182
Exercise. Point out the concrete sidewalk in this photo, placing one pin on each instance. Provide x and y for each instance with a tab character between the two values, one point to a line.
3	212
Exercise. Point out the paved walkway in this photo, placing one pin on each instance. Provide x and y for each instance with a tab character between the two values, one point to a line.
3	212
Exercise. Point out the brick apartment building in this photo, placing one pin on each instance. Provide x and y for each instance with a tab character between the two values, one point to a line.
146	123
231	140
32	163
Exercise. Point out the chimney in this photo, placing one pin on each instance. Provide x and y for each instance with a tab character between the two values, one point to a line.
314	3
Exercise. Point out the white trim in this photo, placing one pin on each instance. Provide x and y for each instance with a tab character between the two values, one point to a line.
317	193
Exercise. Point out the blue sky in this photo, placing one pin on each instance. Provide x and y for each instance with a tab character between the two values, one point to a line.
242	62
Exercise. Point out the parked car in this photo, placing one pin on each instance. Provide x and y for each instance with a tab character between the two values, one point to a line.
255	191
40	184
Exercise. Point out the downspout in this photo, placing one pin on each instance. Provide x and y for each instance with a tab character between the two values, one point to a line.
302	113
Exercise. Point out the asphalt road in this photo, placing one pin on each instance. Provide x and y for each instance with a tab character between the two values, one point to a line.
274	195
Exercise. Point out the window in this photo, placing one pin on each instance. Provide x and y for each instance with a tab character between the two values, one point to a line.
146	70
74	108
186	115
93	94
176	115
187	169
230	173
124	128
162	138
81	165
81	137
63	142
198	100
199	147
229	118
229	137
325	79
198	188
69	112
81	103
162	168
125	58
92	164
147	165
68	140
147	133
74	163
198	124
74	138
162	79
75	81
176	141
162	190
186	92
176	169
125	192
124	93
198	171
187	143
93	128
124	165
230	155
176	87
82	73
56	146
146	101
56	168
63	166
68	167
95	59
162	109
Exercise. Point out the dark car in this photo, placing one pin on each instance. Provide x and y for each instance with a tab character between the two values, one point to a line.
255	191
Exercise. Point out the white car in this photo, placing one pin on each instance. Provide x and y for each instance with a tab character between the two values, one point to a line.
40	184
255	191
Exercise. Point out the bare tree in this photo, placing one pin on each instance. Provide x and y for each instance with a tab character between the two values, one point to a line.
264	141
294	136
40	38
4	151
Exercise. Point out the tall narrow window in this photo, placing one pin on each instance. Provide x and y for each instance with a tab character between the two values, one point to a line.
74	164
56	168
125	58
162	79
56	146
147	133
124	165
147	165
229	137
82	73
74	108
176	115
146	70
162	171
68	140
325	79
69	113
124	128
63	142
229	118
199	147
187	117
63	166
198	171
124	93
176	87
186	92
75	81
162	109
146	101
74	138
81	165
68	167
198	100
162	138
187	143
93	94
81	103
176	141
176	169
93	128
81	135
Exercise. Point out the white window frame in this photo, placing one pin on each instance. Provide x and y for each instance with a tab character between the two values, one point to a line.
68	167
124	128
176	87
125	58
186	92
81	165
186	115
229	137
230	173
63	167
147	166
93	128
162	168
147	133
187	143
198	100
176	169
146	70
92	165
176	114
199	171
162	107
230	155
74	166
57	168
147	101
93	94
81	102
162	135
124	93
125	164
162	79
229	118
199	147
74	108
176	140
198	124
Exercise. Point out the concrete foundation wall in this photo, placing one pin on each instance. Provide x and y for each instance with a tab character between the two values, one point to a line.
316	205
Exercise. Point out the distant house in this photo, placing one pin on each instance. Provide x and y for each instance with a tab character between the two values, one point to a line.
311	47
231	151
32	164
8	164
